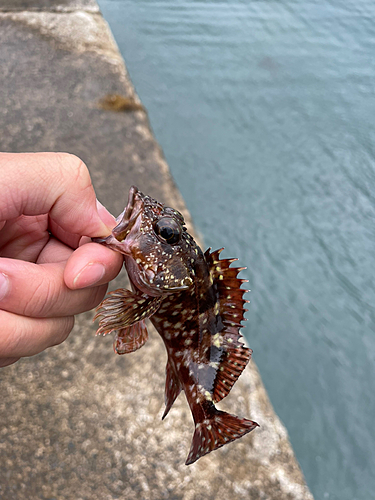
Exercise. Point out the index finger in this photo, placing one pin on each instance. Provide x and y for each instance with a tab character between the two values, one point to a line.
57	184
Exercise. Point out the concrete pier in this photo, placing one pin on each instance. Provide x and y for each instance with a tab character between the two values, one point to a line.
77	421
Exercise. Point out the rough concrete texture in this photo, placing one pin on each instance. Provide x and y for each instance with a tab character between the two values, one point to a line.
48	5
78	421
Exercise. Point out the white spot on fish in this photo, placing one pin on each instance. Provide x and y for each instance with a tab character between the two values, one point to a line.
217	340
207	395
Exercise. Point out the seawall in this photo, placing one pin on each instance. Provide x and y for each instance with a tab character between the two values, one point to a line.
77	421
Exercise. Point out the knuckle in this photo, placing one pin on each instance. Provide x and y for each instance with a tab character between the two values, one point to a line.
89	298
7	361
10	336
76	169
97	295
21	336
66	325
40	300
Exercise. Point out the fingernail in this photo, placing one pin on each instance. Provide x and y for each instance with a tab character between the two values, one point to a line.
89	275
4	286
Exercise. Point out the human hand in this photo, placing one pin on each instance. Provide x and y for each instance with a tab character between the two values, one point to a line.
47	274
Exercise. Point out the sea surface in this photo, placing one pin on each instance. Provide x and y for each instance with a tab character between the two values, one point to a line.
265	111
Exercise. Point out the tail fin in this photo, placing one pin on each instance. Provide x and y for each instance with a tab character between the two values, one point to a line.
217	431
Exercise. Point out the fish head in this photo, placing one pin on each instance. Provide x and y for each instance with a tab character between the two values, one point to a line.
158	251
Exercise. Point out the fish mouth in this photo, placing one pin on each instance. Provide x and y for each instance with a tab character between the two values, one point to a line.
125	221
129	216
139	278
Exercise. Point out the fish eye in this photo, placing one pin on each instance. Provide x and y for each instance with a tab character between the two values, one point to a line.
168	230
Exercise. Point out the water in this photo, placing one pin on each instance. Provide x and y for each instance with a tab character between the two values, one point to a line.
265	112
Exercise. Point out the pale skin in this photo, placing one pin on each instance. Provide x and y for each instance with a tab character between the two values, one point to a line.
49	268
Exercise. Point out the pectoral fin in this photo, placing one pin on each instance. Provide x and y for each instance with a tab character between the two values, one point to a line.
123	309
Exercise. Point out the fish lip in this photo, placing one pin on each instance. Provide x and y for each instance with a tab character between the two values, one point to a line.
177	288
99	240
156	291
128	217
125	222
170	290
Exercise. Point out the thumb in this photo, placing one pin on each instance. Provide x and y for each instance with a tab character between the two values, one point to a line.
57	184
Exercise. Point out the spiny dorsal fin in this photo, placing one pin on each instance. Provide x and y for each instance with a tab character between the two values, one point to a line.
235	355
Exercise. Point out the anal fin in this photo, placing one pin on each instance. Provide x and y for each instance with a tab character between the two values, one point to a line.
220	429
172	388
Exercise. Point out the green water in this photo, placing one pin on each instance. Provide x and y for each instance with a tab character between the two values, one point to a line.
265	111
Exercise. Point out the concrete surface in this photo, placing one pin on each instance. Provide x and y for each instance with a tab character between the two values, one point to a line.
49	5
77	421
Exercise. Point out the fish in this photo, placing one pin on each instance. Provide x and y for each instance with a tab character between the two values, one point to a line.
195	302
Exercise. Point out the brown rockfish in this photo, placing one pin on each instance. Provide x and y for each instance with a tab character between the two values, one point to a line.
195	302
